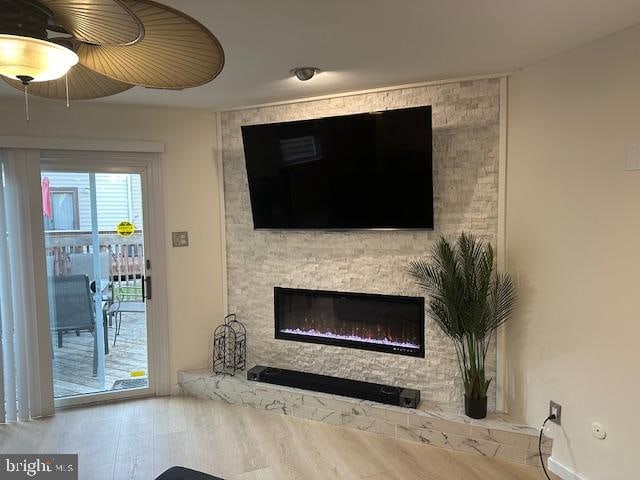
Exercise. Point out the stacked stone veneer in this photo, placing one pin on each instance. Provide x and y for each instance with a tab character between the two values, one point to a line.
465	171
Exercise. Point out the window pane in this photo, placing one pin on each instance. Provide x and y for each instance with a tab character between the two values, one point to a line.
63	210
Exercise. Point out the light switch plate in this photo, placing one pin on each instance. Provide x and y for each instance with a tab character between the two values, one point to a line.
180	239
633	158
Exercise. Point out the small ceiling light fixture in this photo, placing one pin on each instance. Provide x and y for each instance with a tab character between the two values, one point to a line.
304	73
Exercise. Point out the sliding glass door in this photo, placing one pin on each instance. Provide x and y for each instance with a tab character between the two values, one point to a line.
98	281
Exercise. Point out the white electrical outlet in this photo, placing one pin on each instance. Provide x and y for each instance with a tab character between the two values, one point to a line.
598	431
555	409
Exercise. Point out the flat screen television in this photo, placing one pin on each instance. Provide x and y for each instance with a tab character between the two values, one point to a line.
364	171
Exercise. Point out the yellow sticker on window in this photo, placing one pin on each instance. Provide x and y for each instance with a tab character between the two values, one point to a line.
125	229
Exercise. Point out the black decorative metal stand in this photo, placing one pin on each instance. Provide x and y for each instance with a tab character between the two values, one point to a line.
229	346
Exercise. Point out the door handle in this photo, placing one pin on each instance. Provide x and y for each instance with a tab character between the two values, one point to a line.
146	288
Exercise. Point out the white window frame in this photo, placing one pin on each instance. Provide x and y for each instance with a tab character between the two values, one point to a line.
76	207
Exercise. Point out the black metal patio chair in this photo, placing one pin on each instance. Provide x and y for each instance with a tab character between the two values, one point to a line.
74	309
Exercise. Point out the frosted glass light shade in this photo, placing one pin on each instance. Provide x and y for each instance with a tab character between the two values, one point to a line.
39	59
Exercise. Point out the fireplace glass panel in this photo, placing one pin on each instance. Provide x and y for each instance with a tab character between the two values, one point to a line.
393	324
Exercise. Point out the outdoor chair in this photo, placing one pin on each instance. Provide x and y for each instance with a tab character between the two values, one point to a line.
82	263
74	309
126	298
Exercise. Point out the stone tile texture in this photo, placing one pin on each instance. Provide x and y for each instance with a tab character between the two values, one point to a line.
465	168
497	436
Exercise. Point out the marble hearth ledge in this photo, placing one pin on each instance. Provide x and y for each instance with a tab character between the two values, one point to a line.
438	425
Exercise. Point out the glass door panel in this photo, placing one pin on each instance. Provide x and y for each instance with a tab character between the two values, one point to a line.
94	240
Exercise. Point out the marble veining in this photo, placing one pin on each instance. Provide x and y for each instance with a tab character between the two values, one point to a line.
439	425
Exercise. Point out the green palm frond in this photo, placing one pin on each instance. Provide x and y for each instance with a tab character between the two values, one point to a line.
468	299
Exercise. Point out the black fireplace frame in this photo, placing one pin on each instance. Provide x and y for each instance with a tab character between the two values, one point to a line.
412	352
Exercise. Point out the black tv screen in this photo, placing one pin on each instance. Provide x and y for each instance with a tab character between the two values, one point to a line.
365	171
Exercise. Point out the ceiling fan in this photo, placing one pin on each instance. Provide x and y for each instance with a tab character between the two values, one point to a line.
84	49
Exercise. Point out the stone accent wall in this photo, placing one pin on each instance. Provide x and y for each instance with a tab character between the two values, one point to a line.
465	174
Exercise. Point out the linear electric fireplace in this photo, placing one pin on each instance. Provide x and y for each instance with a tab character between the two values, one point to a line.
384	323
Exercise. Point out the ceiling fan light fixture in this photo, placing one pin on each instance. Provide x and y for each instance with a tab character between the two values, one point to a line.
30	59
102	47
304	73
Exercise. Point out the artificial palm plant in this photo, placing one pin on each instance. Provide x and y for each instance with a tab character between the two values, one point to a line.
469	300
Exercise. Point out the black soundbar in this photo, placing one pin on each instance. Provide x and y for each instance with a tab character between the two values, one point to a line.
404	397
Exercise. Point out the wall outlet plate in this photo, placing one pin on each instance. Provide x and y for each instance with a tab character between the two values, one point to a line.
555	409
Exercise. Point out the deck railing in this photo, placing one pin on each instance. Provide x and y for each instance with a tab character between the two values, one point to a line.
125	255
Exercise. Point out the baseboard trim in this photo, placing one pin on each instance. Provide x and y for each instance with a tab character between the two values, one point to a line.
562	471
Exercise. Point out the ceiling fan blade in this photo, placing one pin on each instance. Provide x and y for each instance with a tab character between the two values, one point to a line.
84	84
176	51
100	22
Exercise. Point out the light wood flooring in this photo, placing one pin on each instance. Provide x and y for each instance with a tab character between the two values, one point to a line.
140	439
73	363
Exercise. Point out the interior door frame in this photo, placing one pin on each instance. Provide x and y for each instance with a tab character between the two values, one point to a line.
149	167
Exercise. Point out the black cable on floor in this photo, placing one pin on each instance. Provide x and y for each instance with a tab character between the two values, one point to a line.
550	417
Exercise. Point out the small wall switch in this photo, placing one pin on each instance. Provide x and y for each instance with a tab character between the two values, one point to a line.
180	239
555	409
633	158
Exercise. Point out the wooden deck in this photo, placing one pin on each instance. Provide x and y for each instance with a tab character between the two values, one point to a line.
73	363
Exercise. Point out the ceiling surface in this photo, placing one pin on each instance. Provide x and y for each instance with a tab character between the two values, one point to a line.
360	44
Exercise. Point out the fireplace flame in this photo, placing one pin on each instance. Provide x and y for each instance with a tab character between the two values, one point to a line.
356	337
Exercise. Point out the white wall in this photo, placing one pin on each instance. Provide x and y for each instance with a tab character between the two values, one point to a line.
191	200
573	240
